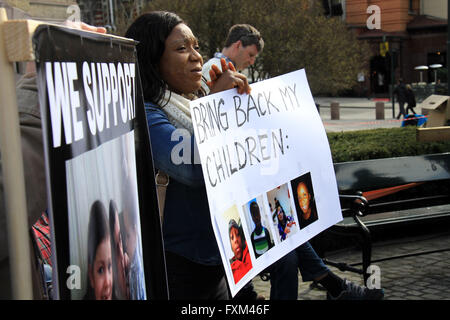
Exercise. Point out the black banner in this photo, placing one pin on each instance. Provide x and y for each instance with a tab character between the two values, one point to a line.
106	233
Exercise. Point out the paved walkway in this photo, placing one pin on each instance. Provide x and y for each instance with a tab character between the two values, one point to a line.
356	114
421	277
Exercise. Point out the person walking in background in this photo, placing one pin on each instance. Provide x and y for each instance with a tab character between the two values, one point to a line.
400	92
410	99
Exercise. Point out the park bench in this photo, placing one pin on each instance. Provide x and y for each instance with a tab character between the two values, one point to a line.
387	192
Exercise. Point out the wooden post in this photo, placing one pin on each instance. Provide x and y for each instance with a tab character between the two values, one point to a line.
13	177
334	108
379	110
433	134
16	46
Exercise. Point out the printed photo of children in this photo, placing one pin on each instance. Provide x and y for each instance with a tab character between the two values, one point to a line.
304	200
283	216
104	224
259	226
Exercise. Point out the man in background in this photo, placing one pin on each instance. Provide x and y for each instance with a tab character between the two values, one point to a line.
242	46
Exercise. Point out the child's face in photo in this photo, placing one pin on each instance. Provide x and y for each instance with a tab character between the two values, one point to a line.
236	243
280	213
102	276
303	197
256	216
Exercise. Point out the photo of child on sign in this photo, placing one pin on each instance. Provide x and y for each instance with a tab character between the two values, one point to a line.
304	200
105	233
284	216
235	243
250	164
261	235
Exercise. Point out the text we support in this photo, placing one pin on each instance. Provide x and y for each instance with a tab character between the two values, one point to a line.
108	91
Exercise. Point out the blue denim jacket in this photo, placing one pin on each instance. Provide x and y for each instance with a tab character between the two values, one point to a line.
187	228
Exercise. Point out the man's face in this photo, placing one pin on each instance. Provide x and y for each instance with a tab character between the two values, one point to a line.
245	56
236	243
303	197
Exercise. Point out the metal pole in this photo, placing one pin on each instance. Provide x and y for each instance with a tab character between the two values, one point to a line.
391	54
448	48
13	178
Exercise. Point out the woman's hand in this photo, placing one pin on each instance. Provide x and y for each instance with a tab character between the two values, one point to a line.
227	78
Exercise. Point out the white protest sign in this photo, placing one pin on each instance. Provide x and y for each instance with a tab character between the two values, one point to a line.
268	172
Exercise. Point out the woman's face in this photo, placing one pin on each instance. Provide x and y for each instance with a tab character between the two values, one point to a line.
101	276
181	63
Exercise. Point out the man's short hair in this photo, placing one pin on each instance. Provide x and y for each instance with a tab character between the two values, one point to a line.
247	34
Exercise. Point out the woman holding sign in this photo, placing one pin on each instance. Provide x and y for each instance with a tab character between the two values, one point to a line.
171	74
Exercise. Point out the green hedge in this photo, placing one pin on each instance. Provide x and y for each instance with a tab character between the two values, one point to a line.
380	143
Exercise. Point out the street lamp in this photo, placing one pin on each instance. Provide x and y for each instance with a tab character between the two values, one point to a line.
421	68
435	67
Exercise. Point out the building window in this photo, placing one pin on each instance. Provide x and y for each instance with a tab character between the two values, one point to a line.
411	7
333	7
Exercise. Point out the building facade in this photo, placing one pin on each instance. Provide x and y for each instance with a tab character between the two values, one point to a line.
116	15
52	11
403	35
113	14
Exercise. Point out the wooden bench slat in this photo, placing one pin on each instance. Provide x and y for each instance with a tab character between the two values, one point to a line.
378	193
382	173
399	216
361	182
433	134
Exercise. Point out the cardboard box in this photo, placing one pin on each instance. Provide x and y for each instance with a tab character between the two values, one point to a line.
437	108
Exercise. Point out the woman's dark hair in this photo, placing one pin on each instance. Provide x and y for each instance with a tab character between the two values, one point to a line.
283	222
98	229
113	211
151	30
